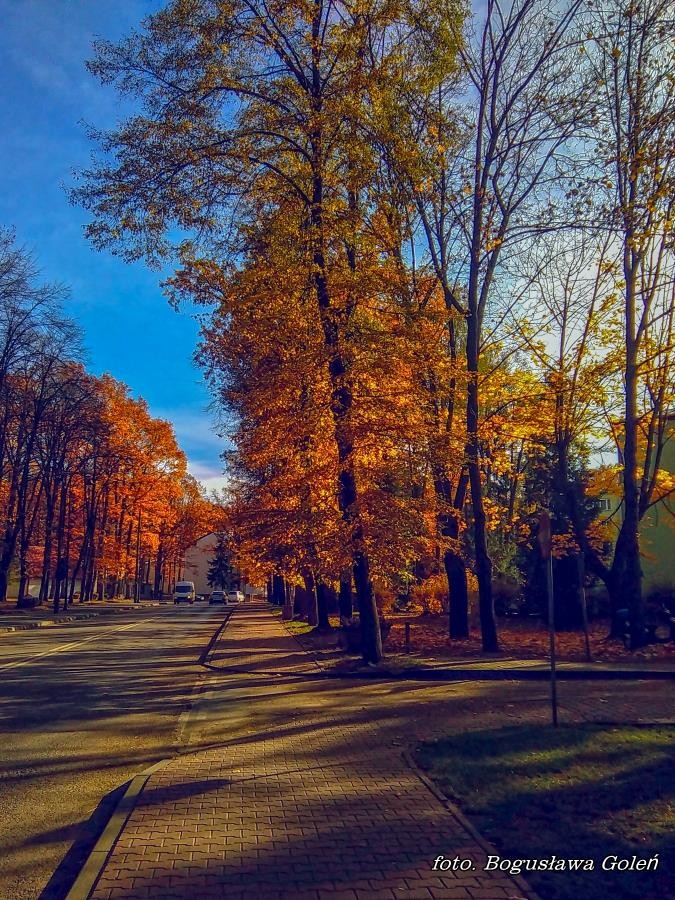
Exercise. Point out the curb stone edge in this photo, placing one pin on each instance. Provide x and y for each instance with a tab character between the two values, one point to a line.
98	856
455	811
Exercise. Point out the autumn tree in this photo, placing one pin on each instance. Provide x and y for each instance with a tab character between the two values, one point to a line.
483	180
82	463
36	343
630	53
238	92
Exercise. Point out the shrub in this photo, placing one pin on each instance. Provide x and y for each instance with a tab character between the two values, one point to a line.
507	596
431	594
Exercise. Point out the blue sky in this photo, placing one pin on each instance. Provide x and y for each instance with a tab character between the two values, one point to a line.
130	330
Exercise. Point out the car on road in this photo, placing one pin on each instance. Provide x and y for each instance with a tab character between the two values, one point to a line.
184	592
235	597
217	597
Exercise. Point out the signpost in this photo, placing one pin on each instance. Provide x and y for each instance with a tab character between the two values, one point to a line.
545	545
581	569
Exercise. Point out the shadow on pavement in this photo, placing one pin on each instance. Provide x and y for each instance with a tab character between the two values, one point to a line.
87	833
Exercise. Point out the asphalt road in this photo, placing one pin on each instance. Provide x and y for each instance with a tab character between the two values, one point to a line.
83	708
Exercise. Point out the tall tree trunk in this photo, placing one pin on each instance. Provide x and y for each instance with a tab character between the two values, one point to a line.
47	549
23	575
159	565
458	613
311	599
278	590
341	394
454	563
289	599
345	597
61	561
323	621
483	561
370	622
626	568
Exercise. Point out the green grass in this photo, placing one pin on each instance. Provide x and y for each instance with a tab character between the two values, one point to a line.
576	792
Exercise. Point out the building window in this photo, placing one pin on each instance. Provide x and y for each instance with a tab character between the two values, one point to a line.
604	504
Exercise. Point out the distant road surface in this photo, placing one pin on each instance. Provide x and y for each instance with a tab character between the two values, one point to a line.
84	707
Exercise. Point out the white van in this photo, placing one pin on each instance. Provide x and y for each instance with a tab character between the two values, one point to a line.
184	592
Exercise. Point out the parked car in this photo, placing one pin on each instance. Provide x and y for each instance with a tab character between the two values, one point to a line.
184	592
217	597
235	597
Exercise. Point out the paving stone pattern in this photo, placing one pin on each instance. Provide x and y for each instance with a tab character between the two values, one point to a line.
301	810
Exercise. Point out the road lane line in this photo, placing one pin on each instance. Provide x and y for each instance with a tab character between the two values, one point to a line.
62	647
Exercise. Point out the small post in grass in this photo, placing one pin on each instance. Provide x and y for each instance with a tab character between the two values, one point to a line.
581	568
407	637
545	545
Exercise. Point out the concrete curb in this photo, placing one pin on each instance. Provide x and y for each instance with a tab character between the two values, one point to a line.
49	623
464	674
211	646
98	856
465	823
95	862
46	623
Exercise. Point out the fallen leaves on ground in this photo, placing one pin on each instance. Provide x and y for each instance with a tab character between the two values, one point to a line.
526	639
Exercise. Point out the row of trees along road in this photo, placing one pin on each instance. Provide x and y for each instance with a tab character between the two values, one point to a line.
92	488
371	195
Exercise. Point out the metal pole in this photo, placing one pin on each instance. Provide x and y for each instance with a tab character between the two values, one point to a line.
584	608
551	637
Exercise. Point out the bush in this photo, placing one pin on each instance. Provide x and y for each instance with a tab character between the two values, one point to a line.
431	594
350	635
385	598
661	594
507	596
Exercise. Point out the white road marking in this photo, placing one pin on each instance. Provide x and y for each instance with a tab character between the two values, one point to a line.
62	647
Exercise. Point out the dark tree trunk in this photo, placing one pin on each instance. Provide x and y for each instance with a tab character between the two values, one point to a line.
370	622
628	575
289	599
159	565
345	602
62	562
322	606
458	615
483	562
310	593
454	563
341	399
278	590
299	605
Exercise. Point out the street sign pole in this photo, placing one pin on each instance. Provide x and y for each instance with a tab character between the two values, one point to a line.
545	544
582	596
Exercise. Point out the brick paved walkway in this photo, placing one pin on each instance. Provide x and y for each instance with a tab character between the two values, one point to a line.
309	798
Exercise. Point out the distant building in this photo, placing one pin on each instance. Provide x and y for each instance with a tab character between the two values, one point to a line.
198	559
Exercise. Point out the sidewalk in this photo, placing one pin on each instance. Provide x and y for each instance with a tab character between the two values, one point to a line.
309	796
